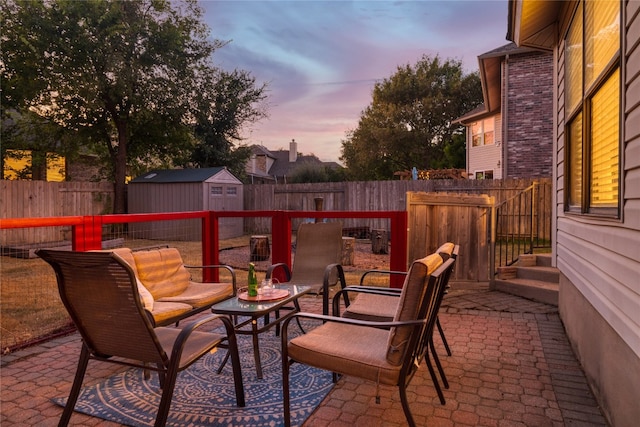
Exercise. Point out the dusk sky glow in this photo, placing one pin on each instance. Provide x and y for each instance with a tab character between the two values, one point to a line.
321	59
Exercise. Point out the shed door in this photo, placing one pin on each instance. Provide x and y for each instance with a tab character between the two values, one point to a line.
226	197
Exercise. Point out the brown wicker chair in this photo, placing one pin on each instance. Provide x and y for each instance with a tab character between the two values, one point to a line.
100	293
317	259
383	352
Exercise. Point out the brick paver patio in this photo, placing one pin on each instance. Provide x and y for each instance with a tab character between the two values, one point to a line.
511	366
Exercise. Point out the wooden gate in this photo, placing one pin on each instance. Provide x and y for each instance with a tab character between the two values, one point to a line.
464	219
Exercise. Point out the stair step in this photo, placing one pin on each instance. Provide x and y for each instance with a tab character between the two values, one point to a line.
544	274
543	260
537	290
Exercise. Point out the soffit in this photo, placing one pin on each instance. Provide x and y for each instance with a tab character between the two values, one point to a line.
534	23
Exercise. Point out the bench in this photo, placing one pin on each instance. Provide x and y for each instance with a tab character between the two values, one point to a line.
166	290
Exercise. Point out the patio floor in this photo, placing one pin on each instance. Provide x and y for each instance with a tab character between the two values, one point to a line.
511	366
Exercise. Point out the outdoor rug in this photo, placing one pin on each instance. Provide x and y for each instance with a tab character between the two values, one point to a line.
203	397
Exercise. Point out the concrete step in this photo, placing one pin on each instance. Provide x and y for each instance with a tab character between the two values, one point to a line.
543	260
543	274
536	290
531	277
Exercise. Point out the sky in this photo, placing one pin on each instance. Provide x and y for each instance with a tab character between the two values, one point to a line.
321	59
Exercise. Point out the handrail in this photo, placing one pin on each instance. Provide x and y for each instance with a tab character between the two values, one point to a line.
87	230
522	224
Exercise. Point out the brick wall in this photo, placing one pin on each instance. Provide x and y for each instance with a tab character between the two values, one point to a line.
529	95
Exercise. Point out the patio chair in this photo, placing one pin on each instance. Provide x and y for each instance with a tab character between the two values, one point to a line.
383	352
317	259
379	304
100	293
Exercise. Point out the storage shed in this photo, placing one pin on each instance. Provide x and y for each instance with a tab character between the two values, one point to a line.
180	190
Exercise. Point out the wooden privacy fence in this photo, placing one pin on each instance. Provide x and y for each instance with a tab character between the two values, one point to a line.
369	196
464	219
32	199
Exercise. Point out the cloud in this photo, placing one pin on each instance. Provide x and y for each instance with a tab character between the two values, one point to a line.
321	59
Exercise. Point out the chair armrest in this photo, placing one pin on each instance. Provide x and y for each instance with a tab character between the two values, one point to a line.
325	285
185	333
284	266
364	323
389	272
220	266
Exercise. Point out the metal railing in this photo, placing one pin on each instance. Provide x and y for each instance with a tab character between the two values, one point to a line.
523	224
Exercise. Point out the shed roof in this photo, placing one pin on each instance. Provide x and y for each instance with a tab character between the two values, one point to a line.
186	175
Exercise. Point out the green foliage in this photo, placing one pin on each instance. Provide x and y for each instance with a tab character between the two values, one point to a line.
132	80
316	172
408	123
225	105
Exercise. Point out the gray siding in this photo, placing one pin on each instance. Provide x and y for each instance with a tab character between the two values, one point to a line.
601	258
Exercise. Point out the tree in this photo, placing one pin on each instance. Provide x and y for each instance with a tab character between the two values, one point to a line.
218	128
408	124
130	76
316	172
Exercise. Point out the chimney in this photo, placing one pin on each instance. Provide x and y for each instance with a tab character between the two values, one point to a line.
293	151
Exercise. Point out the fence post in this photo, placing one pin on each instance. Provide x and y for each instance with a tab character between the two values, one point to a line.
281	242
398	256
493	224
533	212
210	247
88	235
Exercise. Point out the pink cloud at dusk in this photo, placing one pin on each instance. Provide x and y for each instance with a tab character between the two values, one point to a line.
321	59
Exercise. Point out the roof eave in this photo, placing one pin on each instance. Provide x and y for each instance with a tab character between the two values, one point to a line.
534	23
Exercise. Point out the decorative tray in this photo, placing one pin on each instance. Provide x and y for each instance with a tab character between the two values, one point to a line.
272	295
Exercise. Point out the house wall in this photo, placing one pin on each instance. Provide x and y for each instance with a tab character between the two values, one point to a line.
486	157
528	111
599	260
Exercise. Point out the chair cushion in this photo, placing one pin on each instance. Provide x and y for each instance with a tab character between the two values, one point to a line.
162	272
372	307
145	296
412	293
348	350
201	294
164	312
126	255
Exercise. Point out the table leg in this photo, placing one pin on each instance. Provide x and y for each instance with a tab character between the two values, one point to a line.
256	347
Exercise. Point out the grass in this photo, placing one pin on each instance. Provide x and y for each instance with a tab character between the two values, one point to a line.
30	307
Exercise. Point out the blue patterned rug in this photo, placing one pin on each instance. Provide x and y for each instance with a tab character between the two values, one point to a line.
205	398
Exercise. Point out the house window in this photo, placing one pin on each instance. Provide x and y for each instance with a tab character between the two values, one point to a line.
216	191
592	97
482	132
232	191
18	165
484	174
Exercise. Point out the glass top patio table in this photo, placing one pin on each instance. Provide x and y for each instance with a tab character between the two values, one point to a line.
248	312
239	307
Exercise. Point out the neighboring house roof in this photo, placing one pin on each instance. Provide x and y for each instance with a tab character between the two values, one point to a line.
280	166
186	175
283	167
477	113
259	150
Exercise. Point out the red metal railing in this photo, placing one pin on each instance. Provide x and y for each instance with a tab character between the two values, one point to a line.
87	231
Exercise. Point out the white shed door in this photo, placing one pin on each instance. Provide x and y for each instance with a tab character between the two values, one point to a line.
226	197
